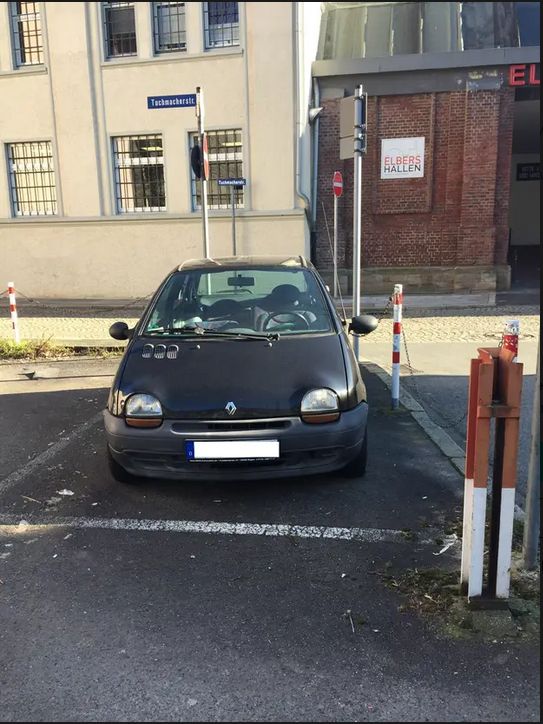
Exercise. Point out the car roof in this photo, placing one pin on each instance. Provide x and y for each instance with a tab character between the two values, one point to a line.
244	261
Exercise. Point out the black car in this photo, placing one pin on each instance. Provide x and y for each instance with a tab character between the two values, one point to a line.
239	367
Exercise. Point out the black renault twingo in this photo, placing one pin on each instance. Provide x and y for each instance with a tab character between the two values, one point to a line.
239	367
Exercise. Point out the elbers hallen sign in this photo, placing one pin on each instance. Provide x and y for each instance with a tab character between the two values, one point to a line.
524	74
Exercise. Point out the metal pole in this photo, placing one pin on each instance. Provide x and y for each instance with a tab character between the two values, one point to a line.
335	246
357	212
203	179
233	199
533	491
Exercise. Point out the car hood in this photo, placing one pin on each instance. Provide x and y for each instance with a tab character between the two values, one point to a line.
262	379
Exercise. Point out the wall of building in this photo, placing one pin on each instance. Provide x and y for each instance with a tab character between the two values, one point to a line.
79	100
456	216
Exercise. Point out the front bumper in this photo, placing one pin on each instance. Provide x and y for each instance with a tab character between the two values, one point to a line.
304	448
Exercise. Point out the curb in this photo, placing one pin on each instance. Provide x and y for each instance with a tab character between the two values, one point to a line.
435	432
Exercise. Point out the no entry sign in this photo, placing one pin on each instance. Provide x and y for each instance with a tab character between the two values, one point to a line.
337	183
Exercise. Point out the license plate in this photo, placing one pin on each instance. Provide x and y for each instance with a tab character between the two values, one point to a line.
212	450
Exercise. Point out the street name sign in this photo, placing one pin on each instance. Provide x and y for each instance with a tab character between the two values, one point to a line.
186	100
232	182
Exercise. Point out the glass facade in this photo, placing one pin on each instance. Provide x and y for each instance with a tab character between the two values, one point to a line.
380	29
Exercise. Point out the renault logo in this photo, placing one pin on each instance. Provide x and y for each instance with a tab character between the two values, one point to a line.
230	408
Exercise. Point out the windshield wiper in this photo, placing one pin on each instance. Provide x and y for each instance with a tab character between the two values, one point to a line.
203	331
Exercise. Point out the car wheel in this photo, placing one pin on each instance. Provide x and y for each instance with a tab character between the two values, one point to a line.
120	474
357	467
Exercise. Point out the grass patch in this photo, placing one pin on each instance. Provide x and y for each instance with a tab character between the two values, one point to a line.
435	594
45	349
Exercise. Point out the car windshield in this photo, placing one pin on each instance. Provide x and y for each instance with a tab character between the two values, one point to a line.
260	300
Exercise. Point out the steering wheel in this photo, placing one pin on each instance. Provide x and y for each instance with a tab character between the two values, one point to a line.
274	317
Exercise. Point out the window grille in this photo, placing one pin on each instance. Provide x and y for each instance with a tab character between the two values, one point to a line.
139	174
169	27
221	25
32	179
119	29
26	33
225	155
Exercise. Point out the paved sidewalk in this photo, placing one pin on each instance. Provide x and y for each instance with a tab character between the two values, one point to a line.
88	325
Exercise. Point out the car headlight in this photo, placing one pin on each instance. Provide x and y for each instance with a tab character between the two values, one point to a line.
321	405
143	411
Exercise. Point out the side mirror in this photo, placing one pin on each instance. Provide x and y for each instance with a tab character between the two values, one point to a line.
364	324
120	330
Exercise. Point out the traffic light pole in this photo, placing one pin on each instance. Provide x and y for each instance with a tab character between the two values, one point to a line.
359	149
203	178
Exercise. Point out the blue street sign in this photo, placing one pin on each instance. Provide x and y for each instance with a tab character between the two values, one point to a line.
188	100
232	182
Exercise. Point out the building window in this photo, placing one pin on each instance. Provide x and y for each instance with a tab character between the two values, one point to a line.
26	34
225	161
529	23
139	174
221	25
169	27
32	179
119	29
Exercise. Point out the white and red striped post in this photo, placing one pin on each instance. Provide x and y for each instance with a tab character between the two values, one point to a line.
397	299
510	337
509	470
13	312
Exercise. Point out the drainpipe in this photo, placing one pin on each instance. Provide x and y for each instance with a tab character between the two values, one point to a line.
298	85
315	154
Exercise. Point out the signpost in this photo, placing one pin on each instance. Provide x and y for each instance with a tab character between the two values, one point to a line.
205	166
337	185
199	158
360	104
234	183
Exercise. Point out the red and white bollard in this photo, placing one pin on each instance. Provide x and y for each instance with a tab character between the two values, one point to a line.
510	337
397	299
13	311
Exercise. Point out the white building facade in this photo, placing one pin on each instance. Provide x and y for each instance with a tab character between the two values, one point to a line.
97	196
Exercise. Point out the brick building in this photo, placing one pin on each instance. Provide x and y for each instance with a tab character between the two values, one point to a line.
472	218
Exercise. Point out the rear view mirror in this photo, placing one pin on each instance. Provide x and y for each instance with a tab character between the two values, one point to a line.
239	281
364	324
120	331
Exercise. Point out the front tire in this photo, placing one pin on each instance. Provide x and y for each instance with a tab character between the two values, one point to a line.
357	467
120	474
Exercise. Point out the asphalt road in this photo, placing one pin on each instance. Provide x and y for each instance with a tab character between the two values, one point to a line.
127	604
440	383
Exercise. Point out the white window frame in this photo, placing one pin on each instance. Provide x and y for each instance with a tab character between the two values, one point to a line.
133	162
37	164
216	28
14	18
216	157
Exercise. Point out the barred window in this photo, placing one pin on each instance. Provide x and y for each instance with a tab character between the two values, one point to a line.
225	161
169	27
32	179
221	25
139	174
119	29
26	33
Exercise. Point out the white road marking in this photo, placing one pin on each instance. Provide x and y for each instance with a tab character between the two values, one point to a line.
47	455
366	535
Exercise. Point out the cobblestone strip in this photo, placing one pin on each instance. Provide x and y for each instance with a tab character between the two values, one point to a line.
470	325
